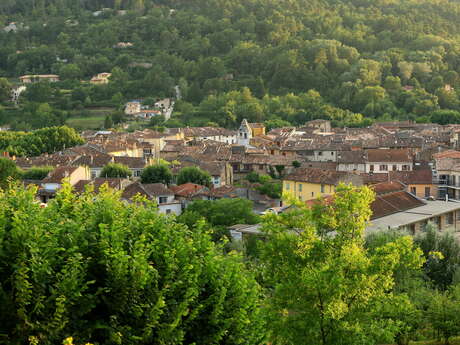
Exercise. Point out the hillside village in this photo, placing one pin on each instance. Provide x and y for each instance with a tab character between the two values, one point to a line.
414	169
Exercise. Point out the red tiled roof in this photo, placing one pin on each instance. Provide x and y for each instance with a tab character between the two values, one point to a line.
372	178
390	203
387	187
392	155
187	189
447	154
423	176
313	175
149	190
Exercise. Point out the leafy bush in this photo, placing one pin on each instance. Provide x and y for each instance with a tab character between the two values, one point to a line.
104	271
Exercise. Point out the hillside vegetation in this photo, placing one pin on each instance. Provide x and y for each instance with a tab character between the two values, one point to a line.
383	59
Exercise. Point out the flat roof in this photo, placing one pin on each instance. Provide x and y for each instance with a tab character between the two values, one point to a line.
247	228
414	215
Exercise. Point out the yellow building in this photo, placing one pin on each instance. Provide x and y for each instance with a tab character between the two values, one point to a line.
257	129
310	183
418	182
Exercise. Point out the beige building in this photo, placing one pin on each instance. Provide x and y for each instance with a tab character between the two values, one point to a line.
27	79
101	78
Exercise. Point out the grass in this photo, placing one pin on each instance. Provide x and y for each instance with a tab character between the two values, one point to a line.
95	120
90	122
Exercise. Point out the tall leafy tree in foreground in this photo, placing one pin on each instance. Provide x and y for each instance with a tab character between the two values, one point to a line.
324	285
8	171
100	270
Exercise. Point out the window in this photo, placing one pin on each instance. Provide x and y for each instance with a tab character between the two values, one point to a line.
163	199
300	197
300	187
93	174
168	211
261	167
413	190
320	153
405	167
383	167
245	135
287	186
332	153
371	167
312	194
395	167
137	173
458	215
322	188
450	218
427	192
247	167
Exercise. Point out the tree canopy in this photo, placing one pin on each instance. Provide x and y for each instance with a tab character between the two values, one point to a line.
159	173
194	175
258	59
109	272
326	287
113	170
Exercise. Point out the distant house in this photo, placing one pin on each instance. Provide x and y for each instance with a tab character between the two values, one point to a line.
97	162
188	192
123	45
382	160
310	183
11	27
166	106
418	182
27	79
210	133
53	182
132	107
101	78
324	126
158	192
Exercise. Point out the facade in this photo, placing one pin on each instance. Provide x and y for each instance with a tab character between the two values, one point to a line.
221	135
383	160
310	183
351	161
418	182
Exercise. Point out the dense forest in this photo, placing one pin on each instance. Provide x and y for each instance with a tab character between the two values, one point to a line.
353	61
